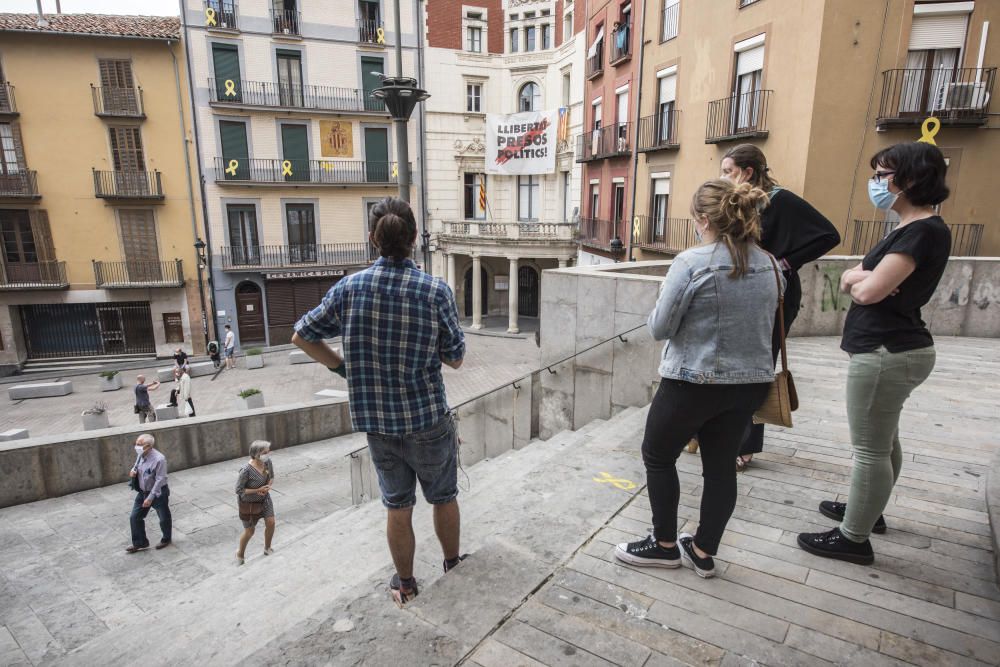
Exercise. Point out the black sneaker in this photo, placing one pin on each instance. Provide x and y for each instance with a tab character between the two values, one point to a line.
648	553
835	510
402	592
453	563
703	567
834	545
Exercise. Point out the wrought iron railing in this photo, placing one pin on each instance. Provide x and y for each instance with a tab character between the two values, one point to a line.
286	21
621	43
670	24
33	275
19	184
371	32
739	116
128	185
318	172
603	234
132	273
117	102
511	230
965	238
658	132
289	96
7	103
224	15
611	141
595	63
666	235
296	256
954	96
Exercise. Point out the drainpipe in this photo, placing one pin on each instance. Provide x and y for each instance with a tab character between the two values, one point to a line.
638	114
42	23
422	128
201	175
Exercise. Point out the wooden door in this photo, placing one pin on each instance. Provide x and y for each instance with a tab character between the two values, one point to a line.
129	162
250	313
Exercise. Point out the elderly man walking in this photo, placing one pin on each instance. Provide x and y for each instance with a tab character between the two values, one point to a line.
149	480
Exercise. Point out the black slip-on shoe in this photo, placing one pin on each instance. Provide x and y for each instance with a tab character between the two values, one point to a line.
703	567
401	594
648	553
453	563
835	510
833	544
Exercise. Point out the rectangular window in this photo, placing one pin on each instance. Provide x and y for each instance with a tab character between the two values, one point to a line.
141	250
243	240
567	214
290	78
595	198
8	150
930	81
18	238
546	36
226	60
667	93
474	41
529	38
671	19
474	194
566	89
567	27
618	214
749	75
233	140
116	73
473	97
513	40
126	149
300	220
528	201
661	193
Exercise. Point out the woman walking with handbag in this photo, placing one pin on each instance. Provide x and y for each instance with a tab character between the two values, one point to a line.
253	492
792	231
717	309
892	352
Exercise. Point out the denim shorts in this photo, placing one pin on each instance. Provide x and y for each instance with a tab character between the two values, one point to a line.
230	352
430	456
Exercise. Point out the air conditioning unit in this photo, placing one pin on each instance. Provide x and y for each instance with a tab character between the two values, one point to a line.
963	96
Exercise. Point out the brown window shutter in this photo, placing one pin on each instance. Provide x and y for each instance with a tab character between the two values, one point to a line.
116	73
126	149
15	130
42	233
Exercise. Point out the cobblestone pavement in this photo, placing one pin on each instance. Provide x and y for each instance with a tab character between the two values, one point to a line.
489	362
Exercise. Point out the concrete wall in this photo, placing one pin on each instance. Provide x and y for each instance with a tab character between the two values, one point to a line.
47	467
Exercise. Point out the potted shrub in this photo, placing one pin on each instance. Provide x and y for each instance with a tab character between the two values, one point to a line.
254	358
95	417
110	380
251	398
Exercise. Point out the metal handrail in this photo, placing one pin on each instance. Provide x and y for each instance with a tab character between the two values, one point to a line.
19	184
118	101
325	172
292	96
7	103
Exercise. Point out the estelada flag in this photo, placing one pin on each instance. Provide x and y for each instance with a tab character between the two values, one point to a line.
563	132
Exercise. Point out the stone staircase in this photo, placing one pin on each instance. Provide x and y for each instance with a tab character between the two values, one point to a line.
324	597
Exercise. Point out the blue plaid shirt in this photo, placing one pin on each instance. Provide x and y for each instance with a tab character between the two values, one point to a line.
397	322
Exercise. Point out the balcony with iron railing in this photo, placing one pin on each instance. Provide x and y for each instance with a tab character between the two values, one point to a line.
371	32
117	102
242	258
19	185
138	274
595	63
471	230
286	22
659	132
669	236
222	15
304	172
603	235
738	117
957	97
145	185
621	44
608	142
33	275
866	234
670	23
8	106
285	96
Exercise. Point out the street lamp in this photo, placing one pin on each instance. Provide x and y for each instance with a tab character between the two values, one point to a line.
401	95
199	247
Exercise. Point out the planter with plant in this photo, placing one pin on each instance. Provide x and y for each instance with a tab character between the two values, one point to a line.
110	380
250	399
95	417
254	358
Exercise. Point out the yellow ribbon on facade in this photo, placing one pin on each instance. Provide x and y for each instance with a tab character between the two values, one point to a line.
928	130
618	483
635	227
230	88
395	171
380	35
231	169
327	166
210	16
286	168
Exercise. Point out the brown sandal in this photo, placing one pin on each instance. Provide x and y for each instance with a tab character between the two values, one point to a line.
743	462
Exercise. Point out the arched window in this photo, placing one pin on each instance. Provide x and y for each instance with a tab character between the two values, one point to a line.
530	97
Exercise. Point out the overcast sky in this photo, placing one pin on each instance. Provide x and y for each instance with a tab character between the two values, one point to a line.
145	7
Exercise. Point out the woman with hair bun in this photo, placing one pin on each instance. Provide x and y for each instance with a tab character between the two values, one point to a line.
716	309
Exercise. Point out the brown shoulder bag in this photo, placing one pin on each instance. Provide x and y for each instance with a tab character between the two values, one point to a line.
782	399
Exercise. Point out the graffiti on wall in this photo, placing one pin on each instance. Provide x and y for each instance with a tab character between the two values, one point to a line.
832	298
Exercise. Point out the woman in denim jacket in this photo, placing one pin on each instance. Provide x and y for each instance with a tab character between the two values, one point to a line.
716	311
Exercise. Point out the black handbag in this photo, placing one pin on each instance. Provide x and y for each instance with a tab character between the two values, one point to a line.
133	482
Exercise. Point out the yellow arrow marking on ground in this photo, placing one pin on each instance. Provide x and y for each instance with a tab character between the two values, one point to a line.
618	483
928	130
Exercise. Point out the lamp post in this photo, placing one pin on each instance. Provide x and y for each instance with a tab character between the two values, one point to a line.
199	247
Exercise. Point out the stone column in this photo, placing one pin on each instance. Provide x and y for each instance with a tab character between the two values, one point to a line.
562	263
477	292
450	271
512	298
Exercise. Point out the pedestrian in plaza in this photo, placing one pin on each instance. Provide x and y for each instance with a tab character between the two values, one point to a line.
792	231
253	487
143	406
398	325
891	350
230	346
149	480
180	358
182	391
213	353
716	309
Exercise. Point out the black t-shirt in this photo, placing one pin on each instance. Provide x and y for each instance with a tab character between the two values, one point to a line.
894	322
142	395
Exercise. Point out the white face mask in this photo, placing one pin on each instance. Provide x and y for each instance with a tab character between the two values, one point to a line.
138	450
264	458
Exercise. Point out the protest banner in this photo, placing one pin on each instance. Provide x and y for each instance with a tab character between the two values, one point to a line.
521	143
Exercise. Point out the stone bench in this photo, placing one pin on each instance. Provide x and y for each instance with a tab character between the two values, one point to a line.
194	370
40	390
14	434
165	412
300	357
325	394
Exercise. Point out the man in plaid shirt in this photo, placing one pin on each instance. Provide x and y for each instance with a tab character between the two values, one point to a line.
398	325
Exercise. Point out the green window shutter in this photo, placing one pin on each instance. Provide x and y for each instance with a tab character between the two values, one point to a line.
370	81
234	147
377	168
227	68
295	149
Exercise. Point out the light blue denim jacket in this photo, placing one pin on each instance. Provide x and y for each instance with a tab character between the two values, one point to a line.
717	328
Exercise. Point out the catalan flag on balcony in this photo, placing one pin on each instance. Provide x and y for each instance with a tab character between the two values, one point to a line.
562	132
482	194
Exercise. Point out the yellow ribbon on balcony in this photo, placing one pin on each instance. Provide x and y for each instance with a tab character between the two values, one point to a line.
395	171
635	227
380	35
210	17
928	130
286	168
327	166
230	88
233	165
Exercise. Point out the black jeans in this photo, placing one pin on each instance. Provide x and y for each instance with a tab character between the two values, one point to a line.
754	442
138	518
718	414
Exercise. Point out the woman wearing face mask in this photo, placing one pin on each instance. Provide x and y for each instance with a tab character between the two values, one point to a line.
716	308
791	230
253	492
892	352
